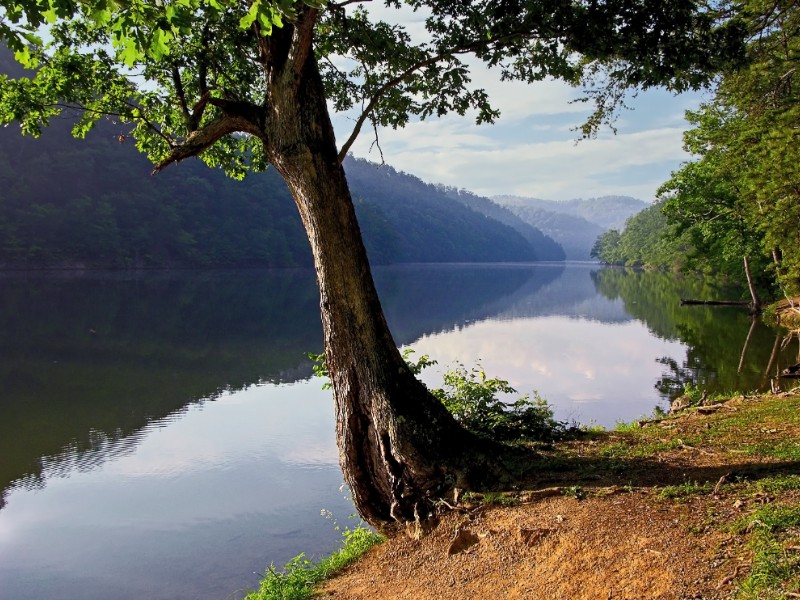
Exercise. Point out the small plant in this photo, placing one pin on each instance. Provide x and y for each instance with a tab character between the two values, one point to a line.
776	569
472	398
424	361
575	491
320	368
684	490
297	579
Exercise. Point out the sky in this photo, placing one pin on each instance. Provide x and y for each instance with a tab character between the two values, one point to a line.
531	150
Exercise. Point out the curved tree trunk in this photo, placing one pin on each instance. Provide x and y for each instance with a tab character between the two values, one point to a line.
399	448
755	307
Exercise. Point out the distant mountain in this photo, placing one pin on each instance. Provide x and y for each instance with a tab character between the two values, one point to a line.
404	219
575	224
609	212
546	247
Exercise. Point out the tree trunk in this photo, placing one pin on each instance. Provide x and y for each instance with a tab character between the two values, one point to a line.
756	305
399	448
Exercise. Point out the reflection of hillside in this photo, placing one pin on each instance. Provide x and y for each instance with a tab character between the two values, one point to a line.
425	299
572	294
99	357
89	360
715	336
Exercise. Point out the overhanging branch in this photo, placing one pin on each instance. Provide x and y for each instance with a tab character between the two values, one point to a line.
205	137
467	48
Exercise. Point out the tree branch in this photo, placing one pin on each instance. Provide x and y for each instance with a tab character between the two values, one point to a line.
302	38
202	139
472	46
181	94
376	97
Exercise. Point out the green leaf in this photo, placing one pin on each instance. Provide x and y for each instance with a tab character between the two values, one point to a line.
251	16
26	59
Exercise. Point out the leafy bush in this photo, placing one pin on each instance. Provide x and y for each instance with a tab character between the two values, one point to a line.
472	398
297	579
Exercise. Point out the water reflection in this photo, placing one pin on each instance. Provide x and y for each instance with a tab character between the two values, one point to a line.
160	428
726	350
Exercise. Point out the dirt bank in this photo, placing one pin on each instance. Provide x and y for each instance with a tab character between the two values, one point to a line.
671	509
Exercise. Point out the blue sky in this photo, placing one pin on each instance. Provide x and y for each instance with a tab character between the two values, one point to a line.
532	150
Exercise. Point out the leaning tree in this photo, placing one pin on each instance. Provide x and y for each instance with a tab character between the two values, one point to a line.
247	84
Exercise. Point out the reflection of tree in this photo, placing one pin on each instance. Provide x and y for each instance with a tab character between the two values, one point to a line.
725	350
90	359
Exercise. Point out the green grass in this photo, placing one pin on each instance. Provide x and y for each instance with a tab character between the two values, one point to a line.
785	450
299	577
778	484
775	571
684	490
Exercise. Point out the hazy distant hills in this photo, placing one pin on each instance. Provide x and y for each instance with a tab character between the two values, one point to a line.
404	219
93	203
546	247
575	224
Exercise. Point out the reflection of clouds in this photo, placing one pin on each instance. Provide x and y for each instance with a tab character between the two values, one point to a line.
289	424
586	369
312	455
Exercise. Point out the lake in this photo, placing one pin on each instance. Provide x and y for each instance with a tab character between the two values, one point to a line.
162	436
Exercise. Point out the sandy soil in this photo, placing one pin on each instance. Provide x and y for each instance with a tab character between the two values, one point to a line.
620	541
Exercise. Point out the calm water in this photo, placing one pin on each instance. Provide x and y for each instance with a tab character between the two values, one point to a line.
160	436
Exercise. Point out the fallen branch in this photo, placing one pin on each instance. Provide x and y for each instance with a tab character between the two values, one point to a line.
732	576
685	302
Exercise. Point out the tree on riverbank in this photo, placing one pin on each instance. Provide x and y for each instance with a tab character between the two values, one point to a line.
737	206
244	85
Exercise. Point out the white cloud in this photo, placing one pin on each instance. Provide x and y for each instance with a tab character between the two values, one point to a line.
447	151
531	151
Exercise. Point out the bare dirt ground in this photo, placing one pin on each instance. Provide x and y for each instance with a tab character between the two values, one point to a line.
608	528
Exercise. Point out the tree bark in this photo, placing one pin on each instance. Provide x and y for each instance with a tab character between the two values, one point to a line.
399	448
756	305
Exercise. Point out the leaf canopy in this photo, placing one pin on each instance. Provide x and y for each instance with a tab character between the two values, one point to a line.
173	67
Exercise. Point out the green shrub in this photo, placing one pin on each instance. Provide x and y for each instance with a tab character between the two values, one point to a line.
297	579
472	398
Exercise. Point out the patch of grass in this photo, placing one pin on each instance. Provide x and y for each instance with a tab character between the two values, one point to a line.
684	490
658	414
575	491
784	450
778	484
638	447
490	498
297	579
499	499
775	572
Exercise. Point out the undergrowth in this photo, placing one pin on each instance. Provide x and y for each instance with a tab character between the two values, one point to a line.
297	579
775	542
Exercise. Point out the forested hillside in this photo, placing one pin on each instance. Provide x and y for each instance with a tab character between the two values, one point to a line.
545	246
66	203
574	224
93	203
736	207
404	219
